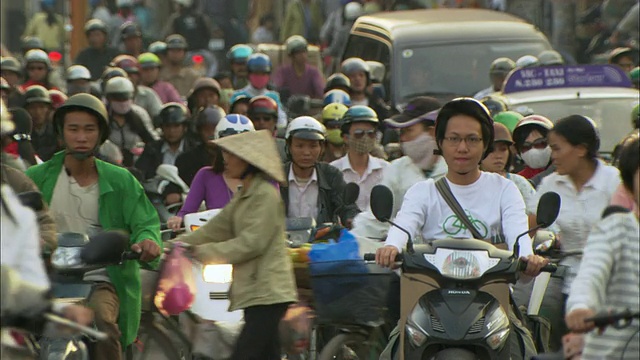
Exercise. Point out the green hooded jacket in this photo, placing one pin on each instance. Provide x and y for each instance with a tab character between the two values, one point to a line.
123	206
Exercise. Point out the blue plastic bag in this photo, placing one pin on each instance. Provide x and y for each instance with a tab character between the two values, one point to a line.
345	249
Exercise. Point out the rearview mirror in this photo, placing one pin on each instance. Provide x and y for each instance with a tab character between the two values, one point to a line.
381	203
105	248
351	193
548	209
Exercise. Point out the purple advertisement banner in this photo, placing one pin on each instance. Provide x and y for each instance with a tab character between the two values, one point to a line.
570	76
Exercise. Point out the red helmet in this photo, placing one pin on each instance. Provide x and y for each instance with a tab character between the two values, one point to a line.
263	105
127	63
57	98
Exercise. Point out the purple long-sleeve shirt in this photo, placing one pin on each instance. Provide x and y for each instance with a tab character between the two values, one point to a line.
310	83
209	187
166	92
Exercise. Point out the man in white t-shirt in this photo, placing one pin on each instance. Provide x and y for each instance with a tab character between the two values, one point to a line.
464	132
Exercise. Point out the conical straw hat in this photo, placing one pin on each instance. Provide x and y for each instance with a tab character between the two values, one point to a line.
258	148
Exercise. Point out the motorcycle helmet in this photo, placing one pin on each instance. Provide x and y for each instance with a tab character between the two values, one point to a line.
9	63
259	62
338	81
233	124
4	85
127	63
470	107
211	115
95	24
305	127
119	88
238	98
37	55
263	105
354	65
550	58
149	60
57	98
508	118
494	104
336	96
332	114
296	43
36	94
204	83
32	42
78	72
176	41
239	53
617	53
501	66
111	72
130	29
527	61
84	102
158	47
501	134
173	113
353	10
358	113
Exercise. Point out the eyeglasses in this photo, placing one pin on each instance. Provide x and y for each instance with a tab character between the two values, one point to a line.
358	134
32	68
469	140
540	143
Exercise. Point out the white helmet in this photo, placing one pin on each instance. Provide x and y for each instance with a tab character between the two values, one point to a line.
526	61
37	55
353	10
305	127
232	124
119	85
78	72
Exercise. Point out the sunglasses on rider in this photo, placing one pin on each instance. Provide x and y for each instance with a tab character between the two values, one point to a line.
538	144
358	134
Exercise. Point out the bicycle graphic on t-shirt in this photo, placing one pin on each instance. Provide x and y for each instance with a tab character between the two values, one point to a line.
453	226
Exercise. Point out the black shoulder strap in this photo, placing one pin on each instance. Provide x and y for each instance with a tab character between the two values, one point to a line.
614	209
445	191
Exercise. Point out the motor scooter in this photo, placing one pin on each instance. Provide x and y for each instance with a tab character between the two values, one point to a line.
455	296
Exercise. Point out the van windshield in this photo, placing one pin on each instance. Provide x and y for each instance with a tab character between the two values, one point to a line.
453	69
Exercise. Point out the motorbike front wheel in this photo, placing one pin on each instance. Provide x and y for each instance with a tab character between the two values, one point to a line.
351	346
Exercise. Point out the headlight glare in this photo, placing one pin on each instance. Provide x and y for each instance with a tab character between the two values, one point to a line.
219	274
498	339
66	257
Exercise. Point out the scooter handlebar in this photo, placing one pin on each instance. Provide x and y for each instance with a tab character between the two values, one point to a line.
130	255
372	257
550	268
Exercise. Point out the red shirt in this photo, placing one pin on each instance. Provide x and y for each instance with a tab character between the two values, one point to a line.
528	172
28	83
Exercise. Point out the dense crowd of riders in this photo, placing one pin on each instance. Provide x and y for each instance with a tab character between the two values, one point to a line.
87	138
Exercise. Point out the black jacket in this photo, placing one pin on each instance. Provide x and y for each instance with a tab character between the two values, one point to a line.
96	60
189	162
330	195
152	156
46	143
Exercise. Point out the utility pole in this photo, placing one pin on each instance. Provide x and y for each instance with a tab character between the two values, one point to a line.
78	11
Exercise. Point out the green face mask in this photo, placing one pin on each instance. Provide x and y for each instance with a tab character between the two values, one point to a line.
334	136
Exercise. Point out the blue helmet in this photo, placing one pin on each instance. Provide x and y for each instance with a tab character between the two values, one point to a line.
239	53
259	63
336	96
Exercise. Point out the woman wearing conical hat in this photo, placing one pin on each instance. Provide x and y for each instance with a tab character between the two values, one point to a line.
249	234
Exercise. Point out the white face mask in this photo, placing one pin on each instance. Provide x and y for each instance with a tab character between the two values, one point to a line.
537	158
121	107
420	150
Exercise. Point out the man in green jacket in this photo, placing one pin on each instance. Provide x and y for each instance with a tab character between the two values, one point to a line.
87	195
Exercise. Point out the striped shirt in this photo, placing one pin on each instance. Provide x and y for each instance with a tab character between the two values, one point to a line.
609	279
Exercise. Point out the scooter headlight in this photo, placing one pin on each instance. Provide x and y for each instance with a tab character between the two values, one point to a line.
497	324
66	257
218	274
461	264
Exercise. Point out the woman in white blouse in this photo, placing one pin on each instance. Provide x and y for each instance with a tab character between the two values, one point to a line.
585	185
